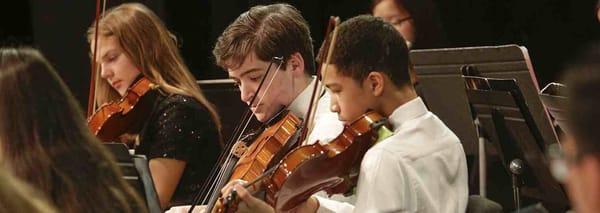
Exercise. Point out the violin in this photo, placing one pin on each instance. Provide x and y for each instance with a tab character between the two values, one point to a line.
268	149
312	168
272	141
126	115
264	174
259	161
280	135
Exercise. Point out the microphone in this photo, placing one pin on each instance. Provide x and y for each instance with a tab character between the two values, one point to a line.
517	166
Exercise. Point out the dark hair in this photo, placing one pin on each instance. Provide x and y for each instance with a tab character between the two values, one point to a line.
365	44
45	142
17	196
269	31
583	86
429	32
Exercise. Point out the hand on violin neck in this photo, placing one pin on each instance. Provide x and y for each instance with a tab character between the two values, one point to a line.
249	203
252	188
226	190
131	140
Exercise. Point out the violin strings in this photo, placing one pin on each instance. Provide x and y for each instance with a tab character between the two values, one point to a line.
259	101
227	160
236	131
213	173
213	177
214	170
221	175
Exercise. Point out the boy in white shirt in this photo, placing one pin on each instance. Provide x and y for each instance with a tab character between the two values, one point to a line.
422	167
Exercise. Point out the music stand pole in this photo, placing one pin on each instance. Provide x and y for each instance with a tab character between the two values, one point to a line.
516	168
481	159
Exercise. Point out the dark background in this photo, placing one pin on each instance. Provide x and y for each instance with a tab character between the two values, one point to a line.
552	30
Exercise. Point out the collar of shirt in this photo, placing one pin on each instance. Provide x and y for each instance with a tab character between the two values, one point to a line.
300	104
407	111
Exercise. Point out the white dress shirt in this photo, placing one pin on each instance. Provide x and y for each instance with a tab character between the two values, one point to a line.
326	123
421	168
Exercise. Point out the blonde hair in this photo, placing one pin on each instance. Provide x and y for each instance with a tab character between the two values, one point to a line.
152	48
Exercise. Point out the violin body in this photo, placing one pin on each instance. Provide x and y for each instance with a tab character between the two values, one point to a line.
312	168
266	150
125	116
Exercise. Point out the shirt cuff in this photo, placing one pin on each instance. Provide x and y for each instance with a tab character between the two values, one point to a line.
327	205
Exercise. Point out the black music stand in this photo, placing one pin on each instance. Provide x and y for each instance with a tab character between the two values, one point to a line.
553	96
223	94
439	73
136	172
506	119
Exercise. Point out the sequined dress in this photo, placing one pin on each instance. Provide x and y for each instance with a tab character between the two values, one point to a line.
181	128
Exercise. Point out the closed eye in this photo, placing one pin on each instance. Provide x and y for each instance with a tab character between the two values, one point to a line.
112	58
400	21
256	78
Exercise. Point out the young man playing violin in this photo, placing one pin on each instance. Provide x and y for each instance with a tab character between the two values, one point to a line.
422	166
245	50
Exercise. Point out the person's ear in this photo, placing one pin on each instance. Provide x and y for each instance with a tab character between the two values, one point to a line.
375	82
295	64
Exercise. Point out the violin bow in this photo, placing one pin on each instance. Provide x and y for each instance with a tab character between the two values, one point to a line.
94	66
326	51
332	27
225	160
329	44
